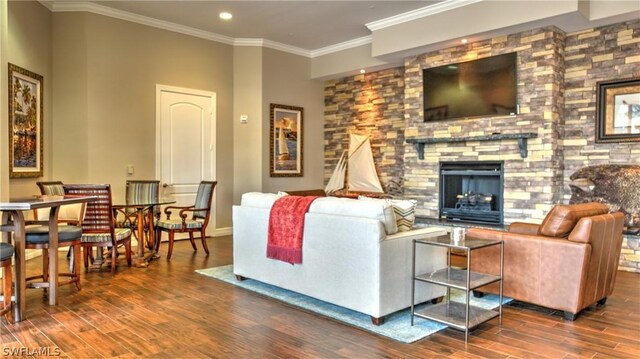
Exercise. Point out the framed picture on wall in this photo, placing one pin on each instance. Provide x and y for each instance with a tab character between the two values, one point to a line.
25	123
618	111
285	145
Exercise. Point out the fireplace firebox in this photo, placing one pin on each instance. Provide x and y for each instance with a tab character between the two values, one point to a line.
472	192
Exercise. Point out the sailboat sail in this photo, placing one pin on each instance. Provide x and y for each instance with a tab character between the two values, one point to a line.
336	182
362	176
282	144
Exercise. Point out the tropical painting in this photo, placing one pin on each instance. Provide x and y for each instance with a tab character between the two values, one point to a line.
25	123
286	141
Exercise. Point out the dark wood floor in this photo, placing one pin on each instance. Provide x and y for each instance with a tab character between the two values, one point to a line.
168	311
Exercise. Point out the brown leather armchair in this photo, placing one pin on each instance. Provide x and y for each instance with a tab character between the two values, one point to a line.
568	262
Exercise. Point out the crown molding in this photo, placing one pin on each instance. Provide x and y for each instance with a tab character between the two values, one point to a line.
272	45
341	46
419	13
82	6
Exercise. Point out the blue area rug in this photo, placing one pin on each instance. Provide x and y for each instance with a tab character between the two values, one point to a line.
396	325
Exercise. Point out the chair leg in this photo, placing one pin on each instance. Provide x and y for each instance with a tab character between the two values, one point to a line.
193	243
86	251
76	265
7	276
203	238
171	234
127	248
45	265
114	259
158	239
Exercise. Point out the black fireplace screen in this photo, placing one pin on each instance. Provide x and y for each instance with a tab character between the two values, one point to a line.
471	192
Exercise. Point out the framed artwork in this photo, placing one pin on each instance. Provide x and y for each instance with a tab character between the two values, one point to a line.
618	111
25	123
285	145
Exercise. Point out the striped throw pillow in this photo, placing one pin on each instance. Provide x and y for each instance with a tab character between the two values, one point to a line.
405	212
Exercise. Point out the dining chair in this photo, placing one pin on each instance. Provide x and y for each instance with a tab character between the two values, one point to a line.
200	213
140	192
37	237
98	225
6	253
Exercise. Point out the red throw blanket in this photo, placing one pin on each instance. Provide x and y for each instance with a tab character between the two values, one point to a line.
286	226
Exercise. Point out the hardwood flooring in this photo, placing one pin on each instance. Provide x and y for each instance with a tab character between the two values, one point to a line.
168	311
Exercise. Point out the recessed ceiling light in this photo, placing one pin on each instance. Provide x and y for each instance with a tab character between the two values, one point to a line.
225	15
464	41
362	71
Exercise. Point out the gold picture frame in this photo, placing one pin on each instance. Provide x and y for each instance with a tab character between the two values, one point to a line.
618	111
25	123
286	141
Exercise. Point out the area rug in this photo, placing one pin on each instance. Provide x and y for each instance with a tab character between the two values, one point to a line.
396	326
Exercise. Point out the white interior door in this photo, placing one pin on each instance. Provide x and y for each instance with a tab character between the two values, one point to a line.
185	143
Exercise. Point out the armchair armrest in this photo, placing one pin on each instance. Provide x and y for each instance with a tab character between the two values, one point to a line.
524	228
167	210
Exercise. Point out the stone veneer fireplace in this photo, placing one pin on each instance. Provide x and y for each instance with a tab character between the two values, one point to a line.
557	79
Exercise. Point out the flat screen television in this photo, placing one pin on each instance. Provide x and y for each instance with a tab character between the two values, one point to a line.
479	88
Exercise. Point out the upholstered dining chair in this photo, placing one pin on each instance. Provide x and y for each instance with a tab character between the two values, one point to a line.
199	218
6	253
98	227
37	237
140	192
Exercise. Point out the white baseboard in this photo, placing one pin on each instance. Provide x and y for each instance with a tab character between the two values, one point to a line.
226	231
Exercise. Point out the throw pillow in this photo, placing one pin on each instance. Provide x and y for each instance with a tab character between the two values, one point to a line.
404	211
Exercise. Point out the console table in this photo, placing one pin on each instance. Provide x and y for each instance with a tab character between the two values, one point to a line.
520	137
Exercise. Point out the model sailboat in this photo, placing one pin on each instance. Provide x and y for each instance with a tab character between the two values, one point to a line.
355	170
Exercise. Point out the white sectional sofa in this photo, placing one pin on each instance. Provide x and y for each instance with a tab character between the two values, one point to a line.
349	255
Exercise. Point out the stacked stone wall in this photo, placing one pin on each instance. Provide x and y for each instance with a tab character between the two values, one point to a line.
593	55
557	80
532	184
368	104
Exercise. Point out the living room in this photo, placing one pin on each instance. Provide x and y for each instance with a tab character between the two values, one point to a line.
94	64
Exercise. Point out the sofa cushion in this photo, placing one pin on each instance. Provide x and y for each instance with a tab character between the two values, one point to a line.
379	209
560	221
260	200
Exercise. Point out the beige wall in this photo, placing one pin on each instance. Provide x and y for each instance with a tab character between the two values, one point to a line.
29	46
286	82
247	137
112	67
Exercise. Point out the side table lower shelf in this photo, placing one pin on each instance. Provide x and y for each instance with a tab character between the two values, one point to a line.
453	314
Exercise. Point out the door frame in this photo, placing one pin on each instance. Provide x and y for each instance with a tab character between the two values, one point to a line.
212	95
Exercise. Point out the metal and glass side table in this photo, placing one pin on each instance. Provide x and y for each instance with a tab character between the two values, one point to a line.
462	316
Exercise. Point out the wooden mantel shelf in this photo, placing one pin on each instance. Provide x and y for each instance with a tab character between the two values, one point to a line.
520	137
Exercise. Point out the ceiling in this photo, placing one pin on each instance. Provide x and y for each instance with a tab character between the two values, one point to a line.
308	25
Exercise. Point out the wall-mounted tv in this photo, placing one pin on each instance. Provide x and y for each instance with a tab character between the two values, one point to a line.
484	87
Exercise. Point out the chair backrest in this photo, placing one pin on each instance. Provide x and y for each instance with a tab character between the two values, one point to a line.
203	199
142	191
98	217
71	213
51	188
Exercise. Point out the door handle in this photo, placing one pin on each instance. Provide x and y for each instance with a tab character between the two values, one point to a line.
165	185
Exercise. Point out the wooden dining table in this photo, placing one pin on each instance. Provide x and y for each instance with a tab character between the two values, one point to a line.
13	221
144	213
